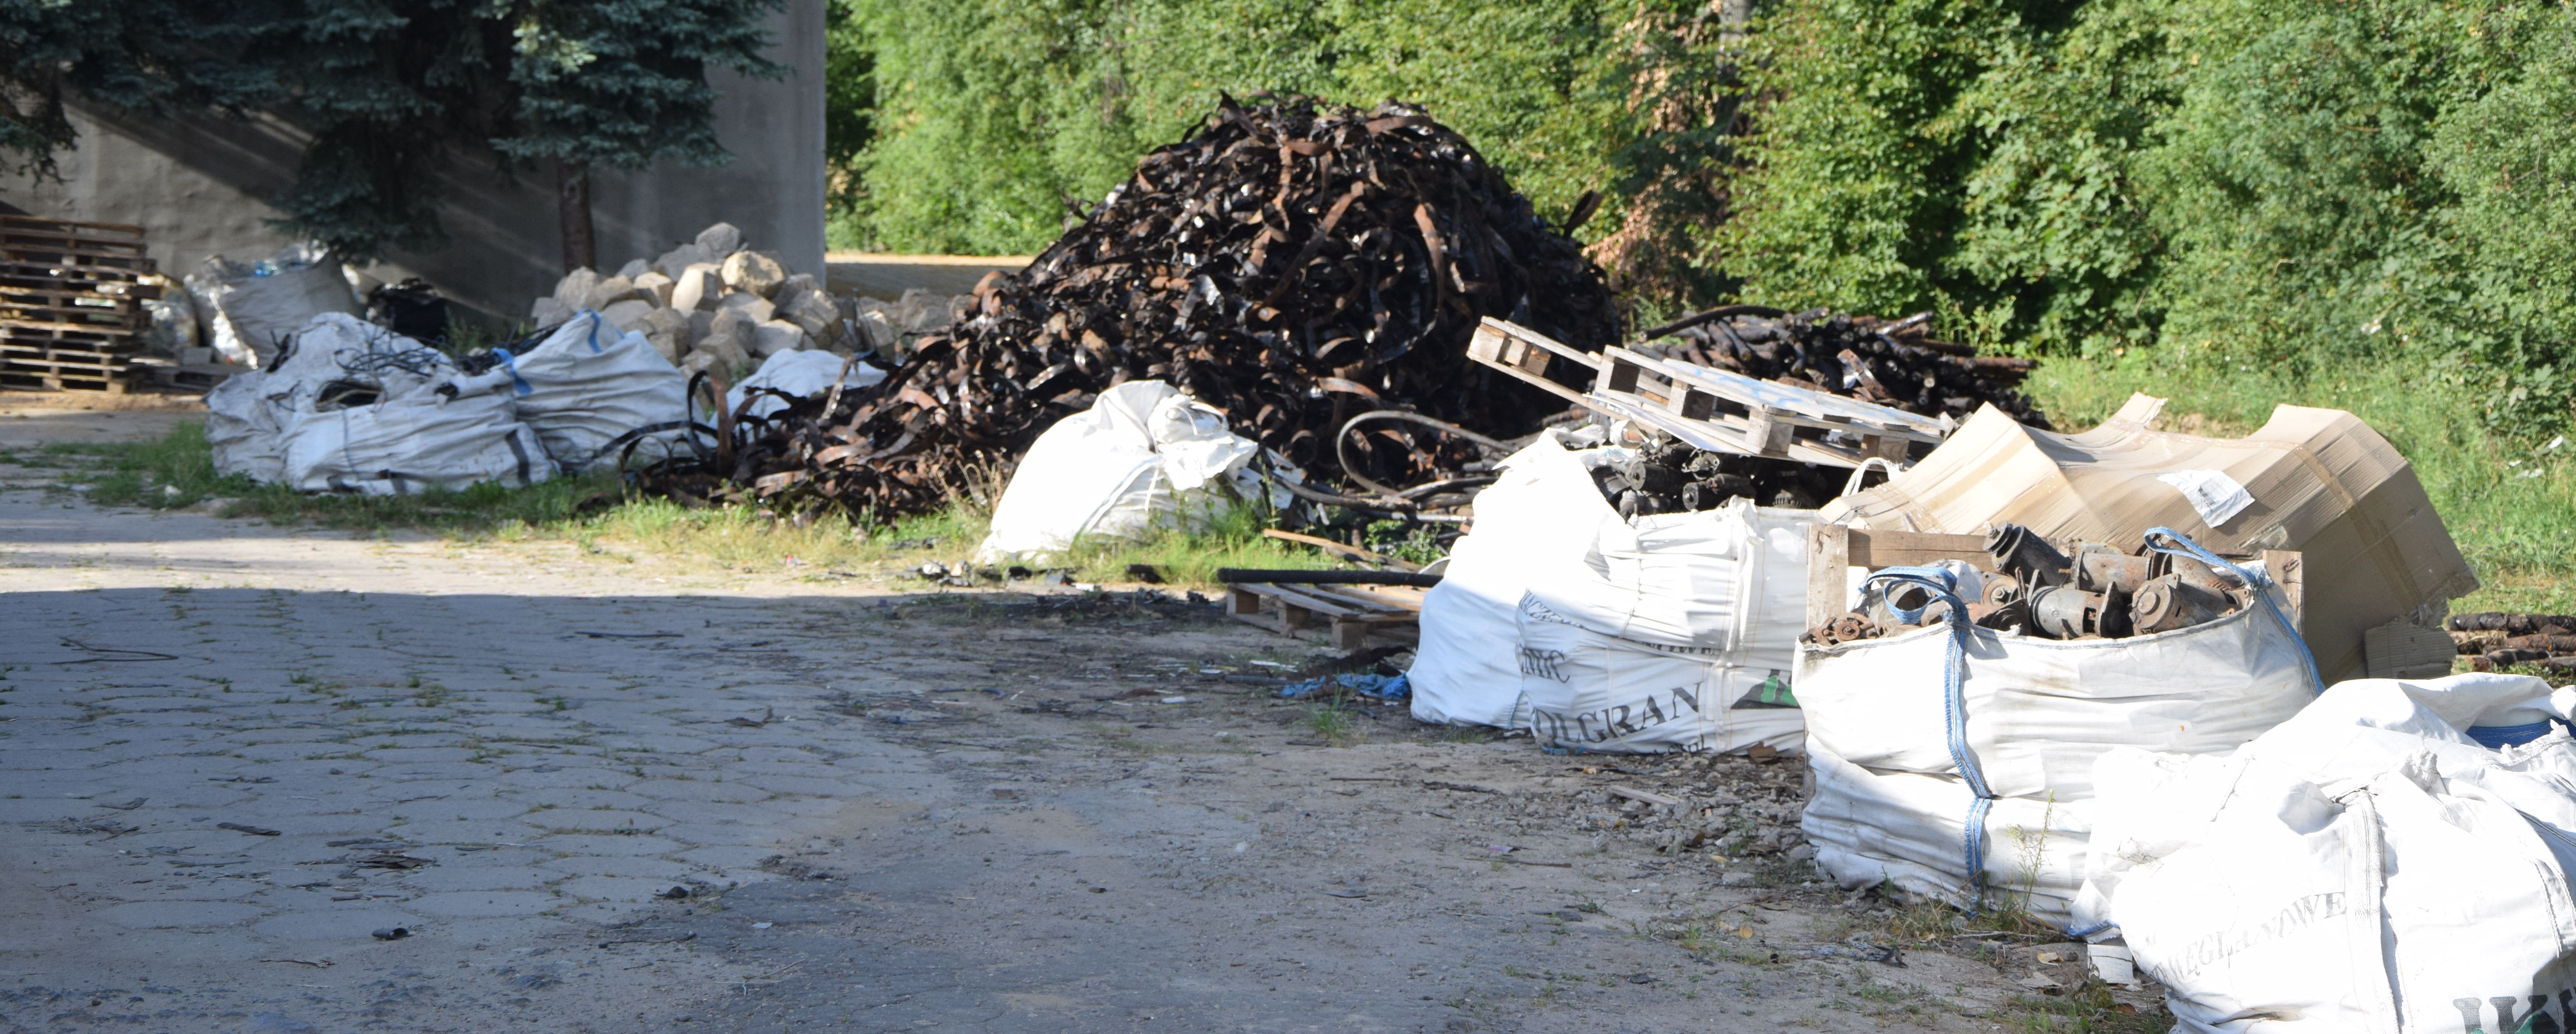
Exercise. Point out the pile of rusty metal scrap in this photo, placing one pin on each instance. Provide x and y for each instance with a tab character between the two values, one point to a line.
2493	640
1292	267
2090	590
1895	364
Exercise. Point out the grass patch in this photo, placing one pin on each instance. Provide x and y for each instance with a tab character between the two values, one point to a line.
2510	504
1192	556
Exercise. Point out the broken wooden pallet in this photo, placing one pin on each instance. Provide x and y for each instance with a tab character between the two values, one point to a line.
1352	613
1711	409
71	295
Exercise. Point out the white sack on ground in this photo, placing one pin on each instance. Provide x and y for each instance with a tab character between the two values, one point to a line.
419	442
2038	712
249	415
2366	866
2030	719
1136	460
1732	579
1913	830
803	374
1540	514
588	389
246	309
1595	693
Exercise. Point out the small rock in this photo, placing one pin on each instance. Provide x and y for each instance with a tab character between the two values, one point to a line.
574	289
654	287
756	272
770	337
628	314
700	286
1737	878
674	894
548	312
392	933
682	257
721	239
635	268
609	292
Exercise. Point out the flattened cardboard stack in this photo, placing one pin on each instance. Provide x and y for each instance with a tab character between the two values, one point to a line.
2379	566
71	298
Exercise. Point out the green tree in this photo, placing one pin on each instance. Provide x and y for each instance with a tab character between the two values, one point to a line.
390	89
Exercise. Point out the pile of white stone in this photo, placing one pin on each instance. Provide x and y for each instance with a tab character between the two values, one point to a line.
709	304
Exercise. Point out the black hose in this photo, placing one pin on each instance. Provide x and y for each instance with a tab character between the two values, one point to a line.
1719	313
1341	451
1306	577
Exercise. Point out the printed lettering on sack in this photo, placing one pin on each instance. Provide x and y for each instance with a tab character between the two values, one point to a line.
1618	720
1544	663
1773	692
2537	1021
2218	947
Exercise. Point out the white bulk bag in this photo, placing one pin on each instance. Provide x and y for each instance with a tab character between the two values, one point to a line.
803	373
2366	866
1134	461
2038	712
247	309
419	442
1732	579
1931	835
588	389
1541	513
248	416
1594	693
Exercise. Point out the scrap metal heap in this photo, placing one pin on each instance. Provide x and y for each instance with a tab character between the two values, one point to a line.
1889	363
1290	266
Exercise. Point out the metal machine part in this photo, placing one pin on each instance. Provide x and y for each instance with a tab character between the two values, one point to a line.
2064	612
2028	558
2168	602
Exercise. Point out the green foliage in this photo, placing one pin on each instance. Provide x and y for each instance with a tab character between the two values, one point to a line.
990	117
2282	185
389	88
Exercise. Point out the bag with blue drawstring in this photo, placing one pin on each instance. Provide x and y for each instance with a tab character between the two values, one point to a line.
1956	761
590	389
2395	858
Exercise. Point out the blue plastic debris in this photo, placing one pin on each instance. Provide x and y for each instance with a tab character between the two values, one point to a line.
1382	687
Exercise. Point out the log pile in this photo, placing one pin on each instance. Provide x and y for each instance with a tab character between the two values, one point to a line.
1891	363
2493	641
1291	266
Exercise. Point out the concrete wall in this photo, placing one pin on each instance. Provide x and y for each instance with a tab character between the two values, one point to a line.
197	186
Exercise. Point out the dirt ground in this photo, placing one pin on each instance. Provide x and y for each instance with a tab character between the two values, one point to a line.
612	795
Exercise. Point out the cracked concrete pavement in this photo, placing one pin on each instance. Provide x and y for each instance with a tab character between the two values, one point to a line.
599	796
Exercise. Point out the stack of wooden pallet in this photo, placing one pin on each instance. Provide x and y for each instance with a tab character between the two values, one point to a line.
71	303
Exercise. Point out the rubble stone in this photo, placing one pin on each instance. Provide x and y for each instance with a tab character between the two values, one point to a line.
627	314
682	257
770	337
729	337
697	287
753	271
655	287
609	292
755	306
812	310
548	312
634	268
574	288
668	331
720	240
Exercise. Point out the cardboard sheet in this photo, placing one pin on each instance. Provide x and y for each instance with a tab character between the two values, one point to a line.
2319	481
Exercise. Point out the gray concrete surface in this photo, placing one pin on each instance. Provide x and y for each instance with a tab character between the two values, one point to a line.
230	752
199	186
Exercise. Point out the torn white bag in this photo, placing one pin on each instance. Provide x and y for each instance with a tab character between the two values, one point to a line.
803	373
1144	456
247	309
1588	692
2367	866
1541	513
588	389
249	414
419	442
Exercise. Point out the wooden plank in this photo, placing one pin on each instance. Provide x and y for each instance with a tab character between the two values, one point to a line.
1828	580
1242	602
1877	549
38	223
1492	341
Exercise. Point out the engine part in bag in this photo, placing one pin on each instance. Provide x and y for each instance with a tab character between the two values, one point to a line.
2065	612
2103	568
2028	558
411	308
2167	602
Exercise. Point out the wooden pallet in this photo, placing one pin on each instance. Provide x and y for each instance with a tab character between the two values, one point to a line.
71	293
1356	616
1711	409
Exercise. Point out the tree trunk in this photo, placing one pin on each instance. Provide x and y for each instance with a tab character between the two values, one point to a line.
572	202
